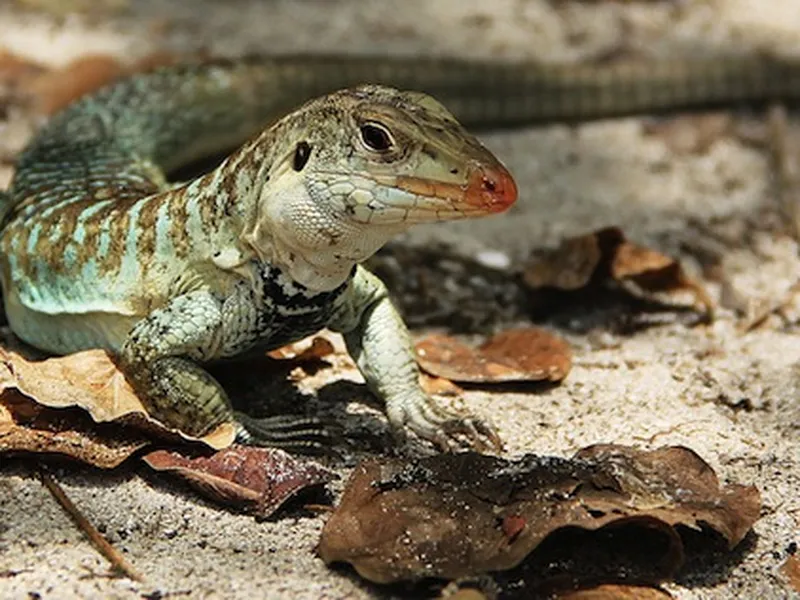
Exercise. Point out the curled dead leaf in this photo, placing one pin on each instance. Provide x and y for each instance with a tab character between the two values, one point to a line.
461	515
257	479
91	381
527	354
607	254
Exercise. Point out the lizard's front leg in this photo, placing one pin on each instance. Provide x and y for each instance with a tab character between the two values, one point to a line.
379	342
161	358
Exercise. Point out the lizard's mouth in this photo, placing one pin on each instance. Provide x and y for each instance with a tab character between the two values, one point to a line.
415	199
488	190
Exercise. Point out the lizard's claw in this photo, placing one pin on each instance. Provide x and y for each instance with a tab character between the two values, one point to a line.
447	430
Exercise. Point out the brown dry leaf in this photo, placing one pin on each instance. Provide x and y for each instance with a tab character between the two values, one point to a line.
525	354
791	571
460	515
691	134
258	479
616	592
438	386
16	71
606	254
56	89
305	350
88	380
28	427
568	267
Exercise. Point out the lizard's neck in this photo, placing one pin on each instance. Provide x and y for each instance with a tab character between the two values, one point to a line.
251	209
303	236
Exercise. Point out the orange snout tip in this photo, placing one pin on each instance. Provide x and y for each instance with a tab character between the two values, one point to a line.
492	189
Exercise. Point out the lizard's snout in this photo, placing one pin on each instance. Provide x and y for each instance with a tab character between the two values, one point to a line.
491	189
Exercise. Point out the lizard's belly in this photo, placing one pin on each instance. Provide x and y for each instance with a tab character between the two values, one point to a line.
67	314
63	333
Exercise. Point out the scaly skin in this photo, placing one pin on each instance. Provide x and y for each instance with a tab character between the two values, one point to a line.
97	250
257	253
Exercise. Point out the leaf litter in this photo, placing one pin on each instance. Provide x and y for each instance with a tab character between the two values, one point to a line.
44	407
522	354
81	407
453	516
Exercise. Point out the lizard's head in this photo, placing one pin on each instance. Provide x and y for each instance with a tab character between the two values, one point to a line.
352	169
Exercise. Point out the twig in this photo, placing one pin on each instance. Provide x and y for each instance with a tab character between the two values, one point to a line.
786	169
118	562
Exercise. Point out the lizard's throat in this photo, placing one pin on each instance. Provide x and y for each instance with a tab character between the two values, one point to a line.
312	245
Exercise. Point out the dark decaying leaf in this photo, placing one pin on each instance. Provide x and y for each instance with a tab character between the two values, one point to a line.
256	479
460	515
607	255
27	427
528	354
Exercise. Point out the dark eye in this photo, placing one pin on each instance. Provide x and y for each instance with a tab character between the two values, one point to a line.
375	137
301	154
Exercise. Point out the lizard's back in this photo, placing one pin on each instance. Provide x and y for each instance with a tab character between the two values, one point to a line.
89	205
86	208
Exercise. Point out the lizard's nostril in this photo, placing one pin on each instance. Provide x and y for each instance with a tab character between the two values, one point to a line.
489	185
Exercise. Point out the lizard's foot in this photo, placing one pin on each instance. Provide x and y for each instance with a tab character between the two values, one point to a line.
447	430
288	432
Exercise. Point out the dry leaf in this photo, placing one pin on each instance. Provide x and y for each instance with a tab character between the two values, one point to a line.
461	515
88	380
258	479
305	350
606	254
56	89
791	571
16	71
568	267
616	592
438	386
528	354
28	427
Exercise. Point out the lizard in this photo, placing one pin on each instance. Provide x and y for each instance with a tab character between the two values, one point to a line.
99	250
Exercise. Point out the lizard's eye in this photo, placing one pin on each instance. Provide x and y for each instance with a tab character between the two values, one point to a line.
301	154
376	137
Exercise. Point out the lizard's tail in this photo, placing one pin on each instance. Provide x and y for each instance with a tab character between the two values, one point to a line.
120	138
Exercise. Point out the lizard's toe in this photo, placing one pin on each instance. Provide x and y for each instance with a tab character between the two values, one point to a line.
473	433
447	430
288	432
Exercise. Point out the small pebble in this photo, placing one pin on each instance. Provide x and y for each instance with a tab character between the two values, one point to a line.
494	259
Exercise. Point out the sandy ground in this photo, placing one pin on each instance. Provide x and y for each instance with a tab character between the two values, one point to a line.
732	397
